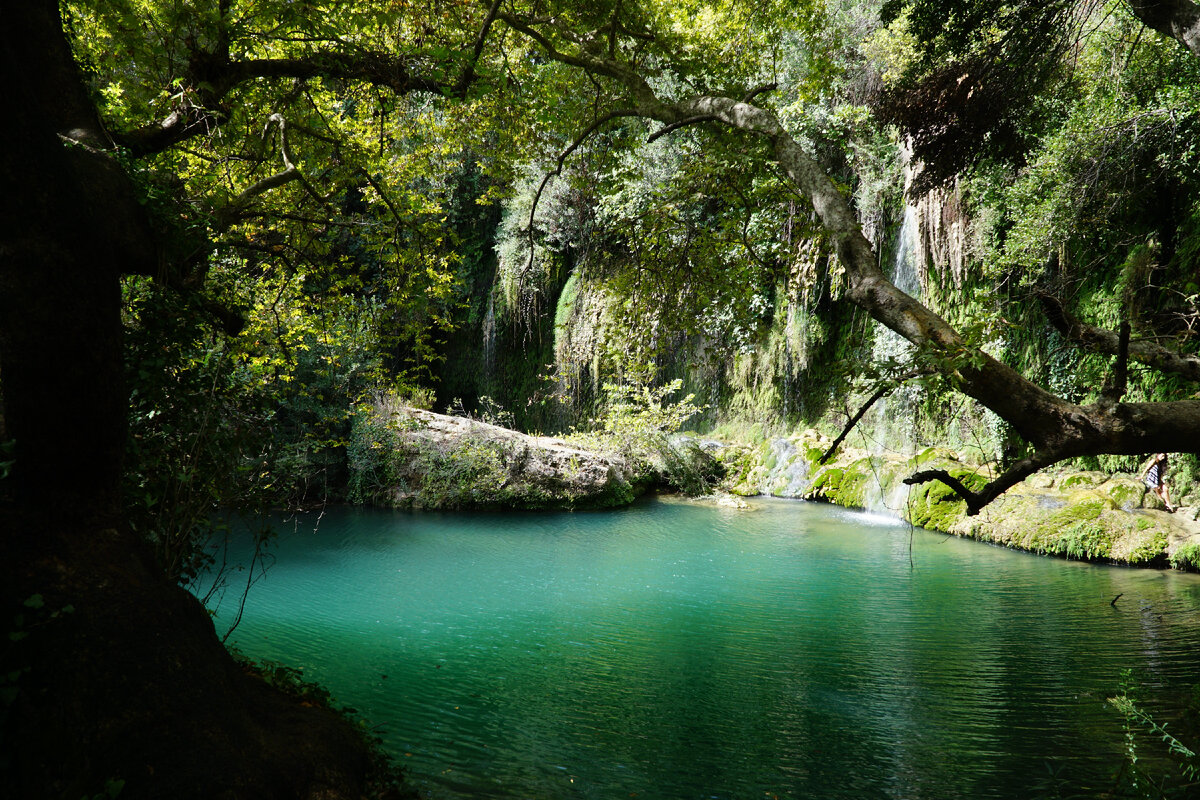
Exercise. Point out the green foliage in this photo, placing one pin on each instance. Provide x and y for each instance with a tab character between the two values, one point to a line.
1085	541
396	462
696	264
375	462
638	424
112	789
637	409
15	660
1187	556
1141	776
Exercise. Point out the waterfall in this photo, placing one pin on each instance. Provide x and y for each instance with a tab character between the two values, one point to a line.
789	475
489	341
893	418
904	265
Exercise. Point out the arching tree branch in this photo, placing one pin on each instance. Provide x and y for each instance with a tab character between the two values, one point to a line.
977	500
562	158
290	172
468	75
1100	340
1056	428
200	110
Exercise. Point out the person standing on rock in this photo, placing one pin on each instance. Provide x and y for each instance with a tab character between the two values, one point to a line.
1155	477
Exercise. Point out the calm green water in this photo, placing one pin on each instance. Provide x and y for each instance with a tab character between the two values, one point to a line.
678	651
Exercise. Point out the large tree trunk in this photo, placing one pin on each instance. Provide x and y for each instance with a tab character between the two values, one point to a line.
1179	19
118	672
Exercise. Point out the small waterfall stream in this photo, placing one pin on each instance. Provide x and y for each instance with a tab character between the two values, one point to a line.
893	418
789	476
489	341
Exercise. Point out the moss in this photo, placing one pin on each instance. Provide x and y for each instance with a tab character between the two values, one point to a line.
856	479
1147	548
1085	541
756	436
1090	528
1082	480
1067	530
930	455
1124	492
1088	508
737	463
825	484
1187	556
935	506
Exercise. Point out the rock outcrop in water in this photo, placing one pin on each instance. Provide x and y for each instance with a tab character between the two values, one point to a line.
1081	515
409	458
430	460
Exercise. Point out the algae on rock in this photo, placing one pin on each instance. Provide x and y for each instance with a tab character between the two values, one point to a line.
1080	515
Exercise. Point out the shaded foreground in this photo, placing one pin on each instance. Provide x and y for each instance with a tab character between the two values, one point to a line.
675	649
115	678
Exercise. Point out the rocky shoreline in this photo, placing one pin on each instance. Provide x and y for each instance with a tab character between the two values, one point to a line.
436	461
1079	515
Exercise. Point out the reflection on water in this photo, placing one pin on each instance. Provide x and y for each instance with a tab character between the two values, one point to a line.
673	650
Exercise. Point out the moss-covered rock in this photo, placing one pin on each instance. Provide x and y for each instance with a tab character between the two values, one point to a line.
1079	515
418	459
1187	555
1040	480
1124	492
1081	480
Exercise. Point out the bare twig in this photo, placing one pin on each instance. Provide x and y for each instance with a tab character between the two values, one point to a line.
880	393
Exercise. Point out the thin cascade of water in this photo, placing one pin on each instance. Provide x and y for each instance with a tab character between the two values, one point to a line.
894	416
789	475
489	340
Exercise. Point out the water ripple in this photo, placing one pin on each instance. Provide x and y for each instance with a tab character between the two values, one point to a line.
671	651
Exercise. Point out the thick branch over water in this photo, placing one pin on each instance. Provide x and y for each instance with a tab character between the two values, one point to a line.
1054	427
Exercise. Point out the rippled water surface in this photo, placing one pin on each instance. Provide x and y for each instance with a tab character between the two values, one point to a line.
673	650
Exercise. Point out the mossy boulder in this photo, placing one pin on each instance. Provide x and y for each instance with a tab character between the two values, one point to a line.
1086	525
1040	480
826	484
737	462
936	506
1081	480
933	457
434	461
1124	492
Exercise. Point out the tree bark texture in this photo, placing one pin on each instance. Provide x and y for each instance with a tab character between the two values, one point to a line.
1179	19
